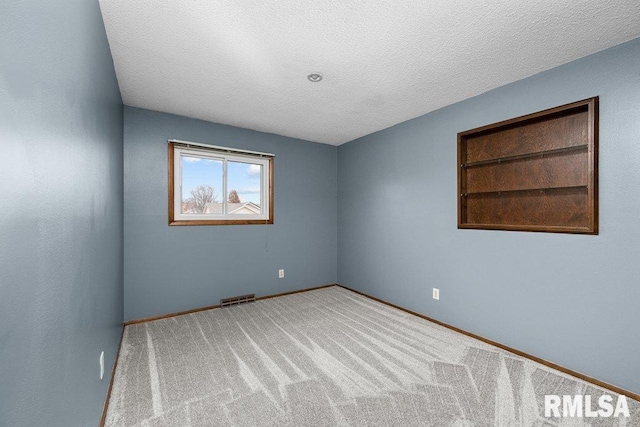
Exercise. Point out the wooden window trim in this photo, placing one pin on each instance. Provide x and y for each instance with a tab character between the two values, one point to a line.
171	199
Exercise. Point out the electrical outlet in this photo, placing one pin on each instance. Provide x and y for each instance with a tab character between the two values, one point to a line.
281	273
436	293
101	365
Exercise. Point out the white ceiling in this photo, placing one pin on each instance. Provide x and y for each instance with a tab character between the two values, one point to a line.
245	63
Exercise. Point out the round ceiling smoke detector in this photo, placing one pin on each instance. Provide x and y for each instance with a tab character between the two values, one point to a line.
315	77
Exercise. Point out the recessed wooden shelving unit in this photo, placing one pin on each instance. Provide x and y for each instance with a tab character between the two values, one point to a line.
533	173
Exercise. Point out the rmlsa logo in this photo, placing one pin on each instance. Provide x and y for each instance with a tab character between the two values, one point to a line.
581	406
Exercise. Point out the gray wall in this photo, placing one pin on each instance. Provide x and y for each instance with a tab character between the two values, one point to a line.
61	213
170	269
570	299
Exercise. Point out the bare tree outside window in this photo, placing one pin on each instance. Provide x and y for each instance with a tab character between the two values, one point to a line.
200	196
233	197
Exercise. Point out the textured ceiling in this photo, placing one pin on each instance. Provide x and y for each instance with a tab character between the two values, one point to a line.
245	63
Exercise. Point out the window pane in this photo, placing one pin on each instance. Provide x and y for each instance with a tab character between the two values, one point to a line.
244	184
201	185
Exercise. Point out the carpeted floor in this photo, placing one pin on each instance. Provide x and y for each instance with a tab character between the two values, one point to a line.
328	357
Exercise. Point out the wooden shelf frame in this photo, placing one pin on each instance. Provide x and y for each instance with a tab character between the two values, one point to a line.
537	172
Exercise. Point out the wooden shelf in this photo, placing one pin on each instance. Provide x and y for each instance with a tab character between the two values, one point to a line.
526	190
527	156
532	173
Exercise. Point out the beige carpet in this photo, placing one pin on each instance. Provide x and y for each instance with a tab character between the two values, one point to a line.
328	357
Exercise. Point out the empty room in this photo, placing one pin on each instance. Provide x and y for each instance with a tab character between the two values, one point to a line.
291	213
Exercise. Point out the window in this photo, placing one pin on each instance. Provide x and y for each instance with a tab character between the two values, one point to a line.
211	185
